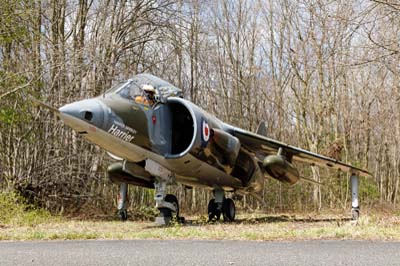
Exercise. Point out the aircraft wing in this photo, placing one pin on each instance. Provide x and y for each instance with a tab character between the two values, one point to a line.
263	146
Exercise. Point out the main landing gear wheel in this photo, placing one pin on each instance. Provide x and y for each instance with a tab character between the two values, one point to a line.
228	209
214	214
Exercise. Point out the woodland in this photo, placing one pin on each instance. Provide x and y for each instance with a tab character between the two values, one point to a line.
324	75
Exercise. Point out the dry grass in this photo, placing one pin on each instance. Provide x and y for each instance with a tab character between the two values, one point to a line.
249	227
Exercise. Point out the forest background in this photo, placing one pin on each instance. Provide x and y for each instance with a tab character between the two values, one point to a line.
324	75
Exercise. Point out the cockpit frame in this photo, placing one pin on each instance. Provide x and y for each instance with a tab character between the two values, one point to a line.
133	87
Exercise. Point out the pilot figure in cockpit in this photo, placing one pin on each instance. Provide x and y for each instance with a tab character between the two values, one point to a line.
148	97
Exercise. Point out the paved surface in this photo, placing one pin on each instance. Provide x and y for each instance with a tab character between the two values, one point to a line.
183	252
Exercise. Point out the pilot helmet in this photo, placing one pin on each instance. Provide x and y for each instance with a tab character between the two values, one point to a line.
149	88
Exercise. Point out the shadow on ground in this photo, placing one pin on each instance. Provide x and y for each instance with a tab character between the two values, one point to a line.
203	220
286	218
259	220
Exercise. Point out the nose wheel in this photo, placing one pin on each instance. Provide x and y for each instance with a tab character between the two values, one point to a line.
167	204
167	212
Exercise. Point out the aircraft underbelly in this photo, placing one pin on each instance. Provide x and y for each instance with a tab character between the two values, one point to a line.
192	170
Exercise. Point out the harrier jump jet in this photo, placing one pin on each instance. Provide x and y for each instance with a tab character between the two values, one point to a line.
158	138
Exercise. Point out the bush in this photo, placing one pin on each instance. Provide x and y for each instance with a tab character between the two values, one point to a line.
144	213
15	211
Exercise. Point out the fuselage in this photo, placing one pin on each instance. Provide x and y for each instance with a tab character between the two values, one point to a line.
176	134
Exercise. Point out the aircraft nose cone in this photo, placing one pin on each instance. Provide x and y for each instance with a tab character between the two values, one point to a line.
92	111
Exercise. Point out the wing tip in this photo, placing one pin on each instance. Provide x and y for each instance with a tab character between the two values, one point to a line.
360	172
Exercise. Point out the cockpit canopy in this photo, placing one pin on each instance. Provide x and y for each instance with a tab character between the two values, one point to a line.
134	87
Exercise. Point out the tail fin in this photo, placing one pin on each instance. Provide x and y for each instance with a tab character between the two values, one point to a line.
262	129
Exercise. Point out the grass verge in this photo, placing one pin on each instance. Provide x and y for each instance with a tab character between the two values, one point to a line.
20	221
246	228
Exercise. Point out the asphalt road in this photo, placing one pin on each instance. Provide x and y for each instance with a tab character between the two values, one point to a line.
188	252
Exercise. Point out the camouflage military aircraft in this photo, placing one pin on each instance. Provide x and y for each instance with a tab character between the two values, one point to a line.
158	138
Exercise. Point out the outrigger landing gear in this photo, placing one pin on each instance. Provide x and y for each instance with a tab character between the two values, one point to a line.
355	208
221	205
122	199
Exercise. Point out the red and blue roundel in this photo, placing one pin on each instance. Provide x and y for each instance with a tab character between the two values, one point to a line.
205	132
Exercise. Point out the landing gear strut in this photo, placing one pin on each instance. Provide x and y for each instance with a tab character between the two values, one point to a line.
122	199
355	207
221	205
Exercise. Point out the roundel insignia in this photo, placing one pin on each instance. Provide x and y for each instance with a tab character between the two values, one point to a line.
205	131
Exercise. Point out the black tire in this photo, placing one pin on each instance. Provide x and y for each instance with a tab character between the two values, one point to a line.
213	212
172	199
229	210
355	214
181	220
123	215
165	212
